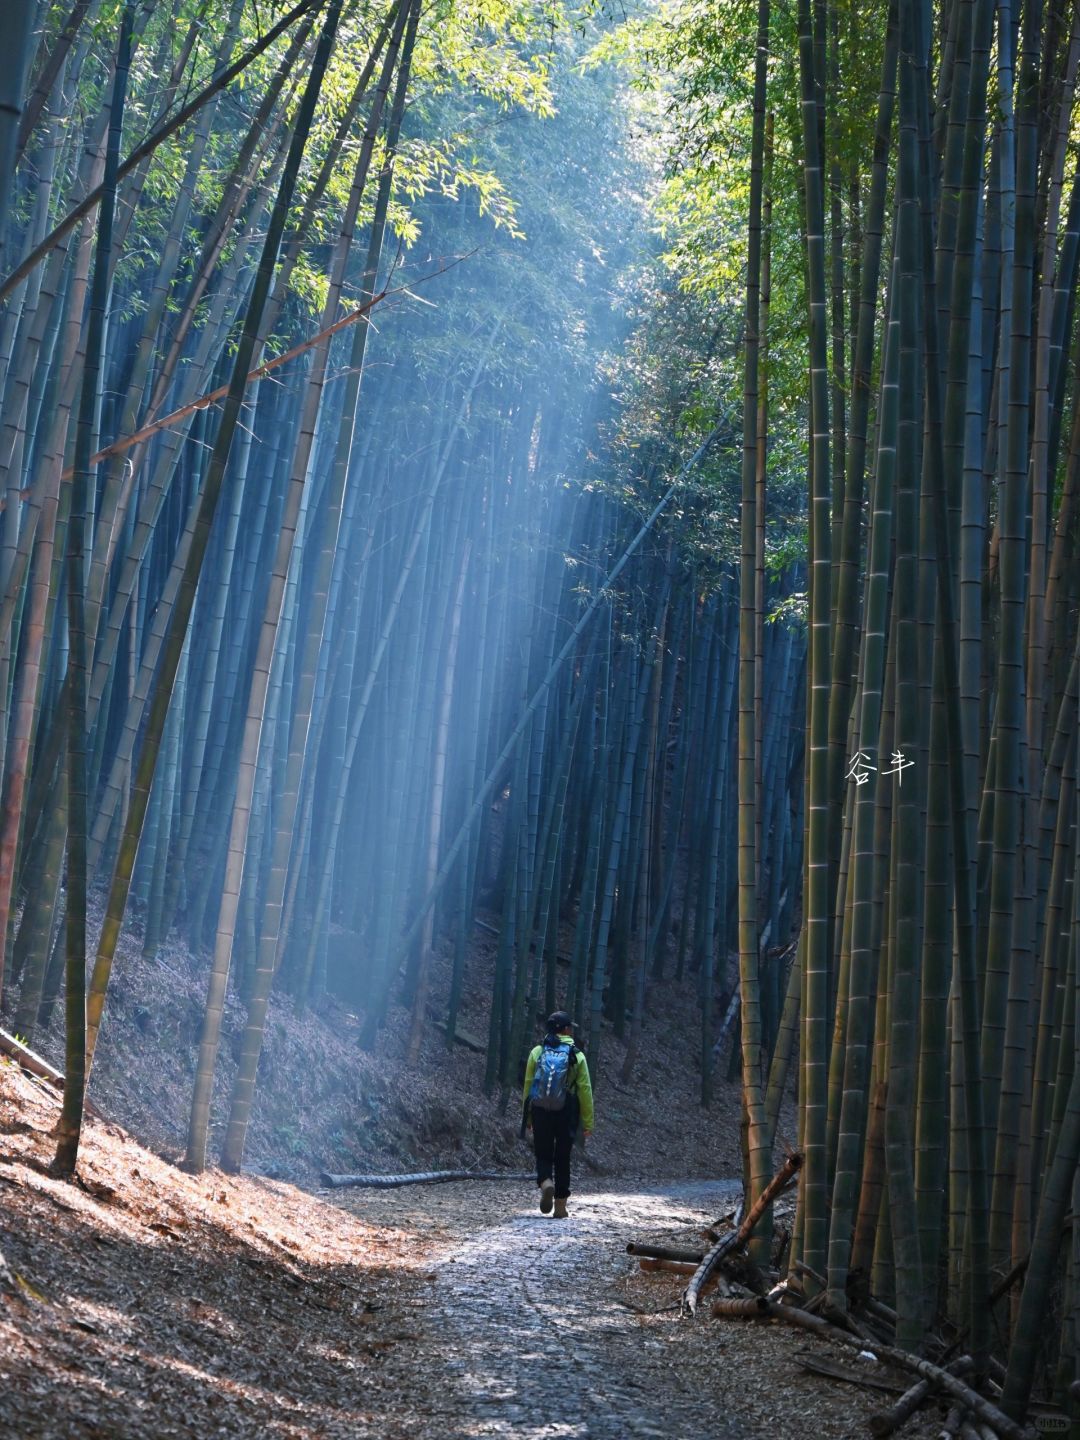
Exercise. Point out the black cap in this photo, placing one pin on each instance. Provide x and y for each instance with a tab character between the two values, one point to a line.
559	1020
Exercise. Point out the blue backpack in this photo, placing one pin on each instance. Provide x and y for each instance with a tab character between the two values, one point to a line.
555	1074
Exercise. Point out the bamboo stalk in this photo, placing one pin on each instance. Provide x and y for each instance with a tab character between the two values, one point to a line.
791	1167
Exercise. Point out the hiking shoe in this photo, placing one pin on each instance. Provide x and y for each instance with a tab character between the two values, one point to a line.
547	1194
560	1209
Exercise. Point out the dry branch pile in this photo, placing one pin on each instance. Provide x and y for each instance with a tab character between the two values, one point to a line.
798	1298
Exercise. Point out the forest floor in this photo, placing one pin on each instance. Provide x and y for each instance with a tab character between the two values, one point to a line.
142	1302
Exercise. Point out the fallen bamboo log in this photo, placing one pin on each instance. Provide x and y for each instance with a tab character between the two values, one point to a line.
953	1420
425	1177
884	1422
31	1061
665	1252
739	1237
881	1312
814	1365
752	1308
983	1409
462	1037
651	1264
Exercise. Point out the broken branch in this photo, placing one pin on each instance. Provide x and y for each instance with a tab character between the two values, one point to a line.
739	1237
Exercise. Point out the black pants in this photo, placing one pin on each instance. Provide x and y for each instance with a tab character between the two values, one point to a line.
553	1139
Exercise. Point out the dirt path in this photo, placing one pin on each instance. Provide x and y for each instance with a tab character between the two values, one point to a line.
146	1304
535	1336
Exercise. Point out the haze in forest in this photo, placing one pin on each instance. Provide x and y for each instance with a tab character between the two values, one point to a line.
511	507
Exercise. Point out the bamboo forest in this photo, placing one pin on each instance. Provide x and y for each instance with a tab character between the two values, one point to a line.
539	636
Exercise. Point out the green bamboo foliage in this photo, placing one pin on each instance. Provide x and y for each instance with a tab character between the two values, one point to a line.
131	163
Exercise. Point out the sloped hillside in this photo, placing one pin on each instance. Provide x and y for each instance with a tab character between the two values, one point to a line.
324	1103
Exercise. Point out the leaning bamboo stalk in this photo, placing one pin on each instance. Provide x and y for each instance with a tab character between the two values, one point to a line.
117	447
40	533
112	505
902	991
49	70
260	140
438	786
16	33
360	706
203	691
69	1127
1041	486
820	803
162	479
1057	1191
863	966
749	747
739	1237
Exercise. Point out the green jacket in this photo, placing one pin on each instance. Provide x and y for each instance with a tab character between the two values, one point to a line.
582	1085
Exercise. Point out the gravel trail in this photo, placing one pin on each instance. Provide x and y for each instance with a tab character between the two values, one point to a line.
532	1335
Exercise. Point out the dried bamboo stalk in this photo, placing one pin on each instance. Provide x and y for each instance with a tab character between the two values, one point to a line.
738	1238
665	1252
884	1422
32	1062
672	1267
953	1421
425	1177
982	1408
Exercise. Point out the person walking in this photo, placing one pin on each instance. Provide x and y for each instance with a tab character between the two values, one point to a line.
557	1098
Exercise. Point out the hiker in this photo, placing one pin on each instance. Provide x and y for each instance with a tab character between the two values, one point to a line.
557	1096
